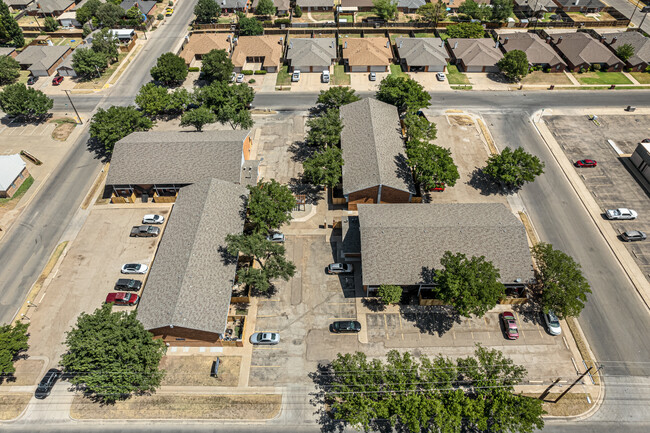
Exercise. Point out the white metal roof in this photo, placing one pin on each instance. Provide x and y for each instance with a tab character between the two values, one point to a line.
10	167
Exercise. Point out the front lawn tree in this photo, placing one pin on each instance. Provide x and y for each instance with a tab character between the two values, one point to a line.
111	356
405	94
9	70
336	97
501	10
179	100
24	102
324	167
198	117
152	99
385	9
170	69
250	27
514	65
13	341
432	165
206	11
471	285
50	24
466	30
433	12
107	43
325	130
110	126
511	169
265	7
88	63
229	103
270	205
625	51
564	288
389	294
216	66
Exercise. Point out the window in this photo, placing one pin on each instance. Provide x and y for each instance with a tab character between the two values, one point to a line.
616	67
558	67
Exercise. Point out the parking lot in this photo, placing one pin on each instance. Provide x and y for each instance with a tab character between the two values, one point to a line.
612	183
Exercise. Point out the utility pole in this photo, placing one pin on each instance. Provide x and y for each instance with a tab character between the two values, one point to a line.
636	6
67	92
645	11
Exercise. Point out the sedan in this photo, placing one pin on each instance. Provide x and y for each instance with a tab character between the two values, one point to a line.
47	383
240	78
552	323
440	76
586	163
510	323
339	268
621	214
32	80
275	237
265	338
372	76
57	80
134	268
645	140
153	219
120	298
633	235
345	326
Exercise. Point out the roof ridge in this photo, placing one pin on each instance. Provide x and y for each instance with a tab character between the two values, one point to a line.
374	138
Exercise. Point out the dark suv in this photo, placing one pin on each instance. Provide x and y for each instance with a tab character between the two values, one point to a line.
128	285
47	383
144	231
345	326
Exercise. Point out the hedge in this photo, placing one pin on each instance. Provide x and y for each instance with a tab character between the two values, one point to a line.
194	69
260	72
247	72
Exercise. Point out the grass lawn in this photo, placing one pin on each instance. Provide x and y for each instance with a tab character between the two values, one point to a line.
427	35
73	42
456	77
570	405
393	37
195	371
12	405
320	16
340	78
602	78
284	77
539	77
641	77
98	83
396	70
19	193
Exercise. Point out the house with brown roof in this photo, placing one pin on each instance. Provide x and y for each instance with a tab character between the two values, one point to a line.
367	54
640	60
200	44
581	51
258	52
538	52
475	55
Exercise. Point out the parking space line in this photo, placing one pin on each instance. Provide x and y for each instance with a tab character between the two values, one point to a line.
266	366
266	348
386	327
401	329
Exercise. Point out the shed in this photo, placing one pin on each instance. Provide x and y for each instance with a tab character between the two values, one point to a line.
13	172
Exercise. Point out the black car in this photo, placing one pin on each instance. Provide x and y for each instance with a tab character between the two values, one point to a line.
47	383
345	326
128	285
32	80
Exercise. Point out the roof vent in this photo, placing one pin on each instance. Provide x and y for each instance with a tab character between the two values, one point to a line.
291	45
400	44
387	44
559	39
518	280
345	45
455	45
496	45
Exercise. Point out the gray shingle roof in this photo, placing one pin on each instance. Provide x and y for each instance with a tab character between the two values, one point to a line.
422	51
232	4
5	51
373	150
41	57
315	3
145	6
640	43
176	157
51	6
536	49
410	4
536	5
305	52
190	283
18	2
579	48
591	4
281	5
398	241
475	52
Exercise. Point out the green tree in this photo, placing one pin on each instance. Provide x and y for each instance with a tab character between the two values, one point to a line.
134	17
466	30
564	288
206	11
13	340
170	69
336	97
474	10
10	31
511	169
24	102
152	99
471	286
389	294
501	10
268	255
87	11
625	51
265	7
385	9
419	128
109	14
216	66
179	100
325	130
270	205
9	70
85	31
229	103
198	117
50	24
405	94
324	167
433	12
250	27
432	165
88	63
110	126
514	65
297	12
107	43
111	356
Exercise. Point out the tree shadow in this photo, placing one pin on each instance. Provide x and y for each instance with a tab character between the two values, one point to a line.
267	294
373	304
402	170
313	193
323	378
486	185
97	147
436	319
301	151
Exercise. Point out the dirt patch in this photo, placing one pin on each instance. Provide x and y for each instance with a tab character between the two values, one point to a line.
570	405
195	370
181	406
63	128
546	78
12	405
28	372
460	120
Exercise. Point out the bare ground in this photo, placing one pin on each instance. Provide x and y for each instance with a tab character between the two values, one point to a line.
27	373
195	371
12	405
571	404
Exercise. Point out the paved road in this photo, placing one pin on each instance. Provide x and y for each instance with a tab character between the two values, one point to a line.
627	9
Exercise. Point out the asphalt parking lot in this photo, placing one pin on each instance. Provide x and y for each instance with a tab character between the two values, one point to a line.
611	183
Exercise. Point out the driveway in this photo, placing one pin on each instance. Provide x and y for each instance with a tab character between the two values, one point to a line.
309	82
360	81
429	81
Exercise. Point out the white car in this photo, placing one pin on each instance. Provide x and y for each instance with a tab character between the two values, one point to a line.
240	78
372	76
295	77
153	219
552	323
134	268
621	214
339	268
440	76
275	237
265	338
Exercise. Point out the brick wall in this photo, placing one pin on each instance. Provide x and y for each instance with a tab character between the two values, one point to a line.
178	336
58	62
391	195
15	185
364	196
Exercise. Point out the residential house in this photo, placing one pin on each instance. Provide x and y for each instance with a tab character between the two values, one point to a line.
640	60
281	6
367	54
311	54
535	7
374	168
231	6
200	44
124	36
68	19
18	5
187	296
65	68
258	52
360	5
145	6
42	60
402	244
8	51
13	172
579	50
409	6
158	164
538	52
50	8
315	5
422	54
475	55
584	6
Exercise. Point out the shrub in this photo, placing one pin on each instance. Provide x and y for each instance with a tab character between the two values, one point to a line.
547	69
260	72
595	67
267	23
171	3
160	17
252	80
647	68
581	71
283	21
298	12
247	72
194	69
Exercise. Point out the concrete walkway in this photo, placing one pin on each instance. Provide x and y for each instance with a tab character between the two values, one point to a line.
571	78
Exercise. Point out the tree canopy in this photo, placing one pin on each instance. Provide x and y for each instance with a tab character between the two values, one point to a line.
389	294
336	97
625	51
170	69
270	205
109	14
501	10
24	102
110	126
433	12
153	99
110	355
87	62
10	31
324	167
564	288
419	127
385	9
229	103
250	26
432	165
475	11
511	169
13	340
405	94
466	30
206	11
198	117
325	129
9	70
265	7
216	66
514	65
50	24
87	11
107	43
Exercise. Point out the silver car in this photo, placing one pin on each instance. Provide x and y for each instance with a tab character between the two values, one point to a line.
339	268
440	76
621	214
134	268
552	323
275	237
633	235
372	76
240	78
265	338
153	219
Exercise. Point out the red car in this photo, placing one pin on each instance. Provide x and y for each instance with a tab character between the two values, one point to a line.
510	323
122	298
586	163
57	80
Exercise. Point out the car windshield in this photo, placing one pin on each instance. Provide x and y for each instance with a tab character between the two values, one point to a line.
130	266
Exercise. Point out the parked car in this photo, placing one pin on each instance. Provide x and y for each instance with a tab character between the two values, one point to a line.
372	76
325	76
47	383
586	163
552	323
120	298
440	76
265	338
345	326
134	268
153	219
621	214
144	231
275	237
295	77
32	80
240	78
633	235
339	268
128	285
510	324
169	11
645	140
57	80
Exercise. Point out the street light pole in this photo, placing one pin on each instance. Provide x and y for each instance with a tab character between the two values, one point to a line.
67	92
